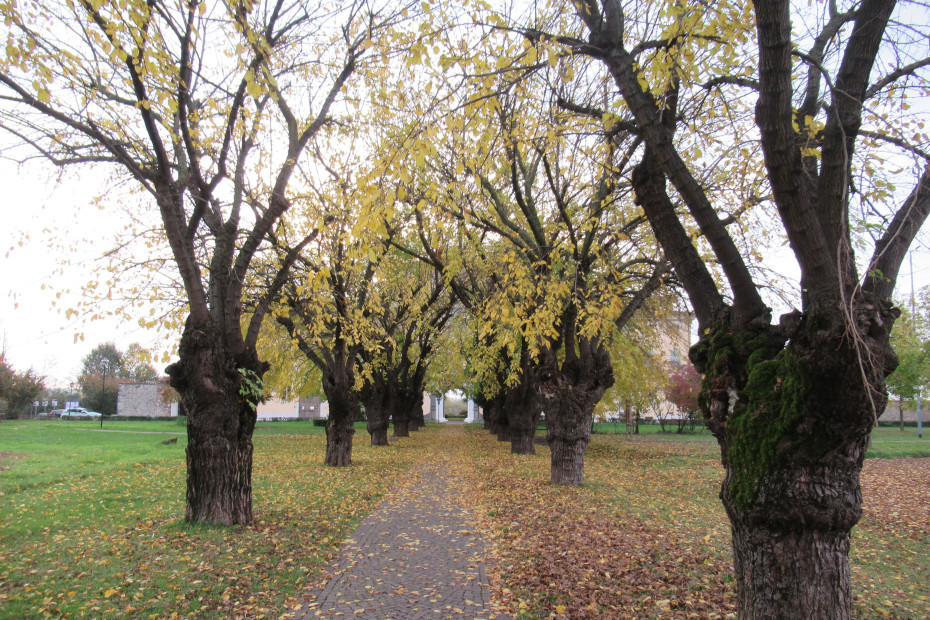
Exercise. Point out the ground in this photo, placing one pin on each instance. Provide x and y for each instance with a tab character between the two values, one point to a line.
91	524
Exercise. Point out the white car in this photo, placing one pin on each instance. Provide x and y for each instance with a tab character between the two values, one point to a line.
79	413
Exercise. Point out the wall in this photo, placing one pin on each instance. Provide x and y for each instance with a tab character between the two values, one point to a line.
143	399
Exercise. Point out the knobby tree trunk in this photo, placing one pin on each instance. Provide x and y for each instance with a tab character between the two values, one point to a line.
343	405
494	414
793	422
377	410
220	423
401	419
569	395
378	422
522	411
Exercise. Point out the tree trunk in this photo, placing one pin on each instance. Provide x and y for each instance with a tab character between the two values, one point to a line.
791	541
522	411
378	422
792	414
567	460
522	443
377	410
401	426
801	574
339	433
343	405
901	413
220	422
570	394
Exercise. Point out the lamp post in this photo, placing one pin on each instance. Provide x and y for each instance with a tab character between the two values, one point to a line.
105	363
920	417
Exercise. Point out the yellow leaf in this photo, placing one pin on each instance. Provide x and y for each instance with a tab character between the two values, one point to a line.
110	592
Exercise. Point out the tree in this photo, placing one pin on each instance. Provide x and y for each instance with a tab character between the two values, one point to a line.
213	139
571	262
910	338
18	390
136	365
684	386
326	306
791	403
104	366
415	305
103	363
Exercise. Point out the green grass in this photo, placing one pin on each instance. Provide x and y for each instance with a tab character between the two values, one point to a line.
83	511
892	443
887	443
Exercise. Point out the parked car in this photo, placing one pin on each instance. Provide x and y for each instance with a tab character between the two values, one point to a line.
55	413
79	413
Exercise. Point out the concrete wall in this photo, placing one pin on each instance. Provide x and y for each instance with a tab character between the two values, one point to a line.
143	399
277	409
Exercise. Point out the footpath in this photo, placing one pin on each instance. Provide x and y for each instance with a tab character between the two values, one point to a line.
417	556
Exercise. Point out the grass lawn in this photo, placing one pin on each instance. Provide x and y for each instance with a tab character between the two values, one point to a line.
91	523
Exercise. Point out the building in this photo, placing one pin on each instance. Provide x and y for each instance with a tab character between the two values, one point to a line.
153	399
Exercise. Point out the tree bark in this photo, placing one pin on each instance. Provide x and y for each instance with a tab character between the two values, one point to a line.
220	422
339	433
343	404
377	410
522	410
401	425
793	425
570	393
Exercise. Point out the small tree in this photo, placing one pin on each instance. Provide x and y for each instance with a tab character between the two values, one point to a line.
98	376
684	385
18	390
910	338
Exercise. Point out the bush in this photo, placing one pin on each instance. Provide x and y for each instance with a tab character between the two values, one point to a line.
320	422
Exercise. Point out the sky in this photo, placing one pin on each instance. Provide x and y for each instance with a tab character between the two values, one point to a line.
61	223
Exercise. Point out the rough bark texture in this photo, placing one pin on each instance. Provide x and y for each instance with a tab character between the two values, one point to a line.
522	409
339	433
793	426
570	393
220	423
401	425
343	404
377	411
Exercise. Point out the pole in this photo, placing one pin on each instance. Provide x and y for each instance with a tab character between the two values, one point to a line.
920	417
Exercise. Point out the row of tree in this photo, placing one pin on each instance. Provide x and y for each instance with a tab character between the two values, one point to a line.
536	179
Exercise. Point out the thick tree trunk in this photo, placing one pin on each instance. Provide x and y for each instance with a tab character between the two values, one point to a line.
570	393
791	539
378	423
401	426
343	405
801	574
567	460
793	422
522	411
220	422
339	433
377	409
523	443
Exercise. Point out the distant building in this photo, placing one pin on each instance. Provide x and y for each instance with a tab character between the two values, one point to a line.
152	399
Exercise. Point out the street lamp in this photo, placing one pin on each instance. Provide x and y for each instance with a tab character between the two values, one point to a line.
105	363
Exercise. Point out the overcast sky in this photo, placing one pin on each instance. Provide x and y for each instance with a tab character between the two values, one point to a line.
60	223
